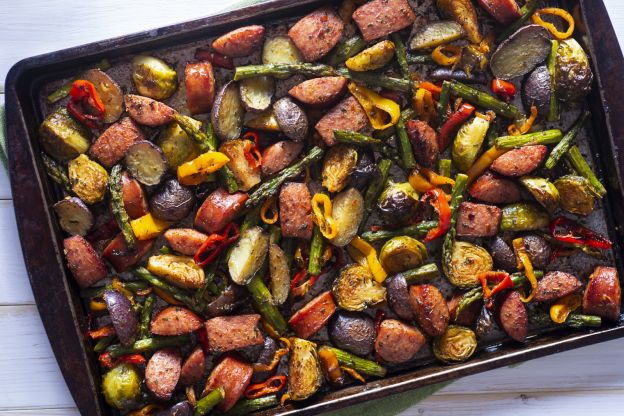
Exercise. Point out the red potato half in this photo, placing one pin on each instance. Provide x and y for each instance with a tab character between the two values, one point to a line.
603	294
83	261
199	81
504	11
175	320
240	42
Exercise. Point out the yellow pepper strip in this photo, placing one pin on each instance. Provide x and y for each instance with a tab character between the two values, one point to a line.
419	182
514	131
524	262
423	102
484	162
440	57
560	310
147	227
555	11
354	374
378	109
435	179
97	305
322	209
197	170
371	257
269	205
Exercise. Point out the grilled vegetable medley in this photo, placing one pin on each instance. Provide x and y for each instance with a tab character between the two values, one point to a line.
293	211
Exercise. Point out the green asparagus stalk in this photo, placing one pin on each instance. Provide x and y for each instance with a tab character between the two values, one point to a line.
226	174
359	139
564	145
175	292
421	274
420	59
56	172
375	188
417	230
574	320
401	55
146	317
385	133
541	137
346	50
63	91
261	298
483	99
316	252
526	12
374	79
103	343
444	167
361	365
148	344
270	187
553	106
493	132
581	166
117	206
405	147
284	70
209	401
457	196
445	96
247	406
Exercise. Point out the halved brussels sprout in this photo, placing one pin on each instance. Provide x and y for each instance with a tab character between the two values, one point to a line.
402	253
122	386
524	216
177	146
573	73
455	345
468	142
354	289
348	211
88	179
305	376
63	137
467	260
397	204
575	194
543	191
339	163
153	77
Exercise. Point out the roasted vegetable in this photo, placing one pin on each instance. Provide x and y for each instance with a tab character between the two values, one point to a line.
372	58
177	146
353	331
354	289
338	165
397	204
502	254
543	191
256	93
280	50
74	216
521	52
153	77
504	11
264	121
576	194
366	171
466	262
280	274
247	175
146	162
456	345
536	90
304	370
122	386
573	73
88	179
523	216
435	34
291	118
347	212
109	92
227	112
248	254
63	137
199	170
402	253
172	202
179	270
468	142
122	316
464	13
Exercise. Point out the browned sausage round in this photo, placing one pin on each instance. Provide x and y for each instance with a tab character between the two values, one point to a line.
185	240
603	293
133	197
348	114
504	11
280	155
199	81
555	285
234	375
513	316
240	42
162	372
478	220
430	309
494	189
468	315
193	368
219	208
379	18
147	111
83	261
317	33
319	92
522	161
295	210
397	342
112	145
175	320
424	141
227	333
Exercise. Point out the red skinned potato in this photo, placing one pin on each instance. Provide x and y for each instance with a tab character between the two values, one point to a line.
513	317
133	197
121	257
280	155
199	81
430	309
147	111
478	220
308	320
398	342
234	375
348	114
163	372
240	42
319	92
603	294
555	285
175	320
111	146
519	162
122	316
193	368
504	11
379	18
185	240
495	189
424	142
83	261
219	208
317	33
228	333
295	208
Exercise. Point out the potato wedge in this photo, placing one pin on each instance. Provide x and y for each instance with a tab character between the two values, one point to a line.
280	274
531	42
370	59
291	118
435	34
227	112
248	254
264	121
74	216
178	270
146	162
256	93
280	50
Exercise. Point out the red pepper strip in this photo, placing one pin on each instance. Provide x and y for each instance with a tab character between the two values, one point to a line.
102	332
299	276
380	315
215	243
452	125
504	282
85	104
432	88
567	231
437	198
107	361
271	385
505	90
252	154
215	58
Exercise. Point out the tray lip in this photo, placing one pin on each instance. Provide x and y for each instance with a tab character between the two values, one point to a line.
145	39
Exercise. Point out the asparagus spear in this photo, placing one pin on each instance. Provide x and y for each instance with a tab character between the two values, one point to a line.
553	107
483	99
103	343
541	137
373	79
578	162
247	406
420	274
564	145
445	96
401	55
457	196
419	59
117	206
261	298
574	320
209	401
346	50
526	12
63	91
270	187
405	147
375	188
361	365
412	231
148	344
351	137
146	317
56	172
316	252
175	292
493	131
284	70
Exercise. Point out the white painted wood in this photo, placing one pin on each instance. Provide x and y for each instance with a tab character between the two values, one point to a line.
585	381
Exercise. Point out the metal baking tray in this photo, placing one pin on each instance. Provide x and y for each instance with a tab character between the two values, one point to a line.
57	295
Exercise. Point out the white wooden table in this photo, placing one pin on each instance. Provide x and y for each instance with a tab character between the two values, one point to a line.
587	380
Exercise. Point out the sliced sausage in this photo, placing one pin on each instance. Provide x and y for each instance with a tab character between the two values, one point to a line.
478	220
112	145
519	162
398	342
199	81
603	295
555	285
234	375
83	261
193	368
308	320
219	208
185	240
163	372
504	11
430	309
147	111
513	316
424	141
319	92
227	333
317	33
495	189
280	155
468	315
295	210
175	320
348	114
379	18
133	197
240	42
121	257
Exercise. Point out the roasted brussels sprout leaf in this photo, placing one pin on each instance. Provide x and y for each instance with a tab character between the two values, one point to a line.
348	212
338	165
466	262
402	253
153	77
543	191
397	204
354	289
456	344
62	137
305	376
573	74
576	194
88	179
